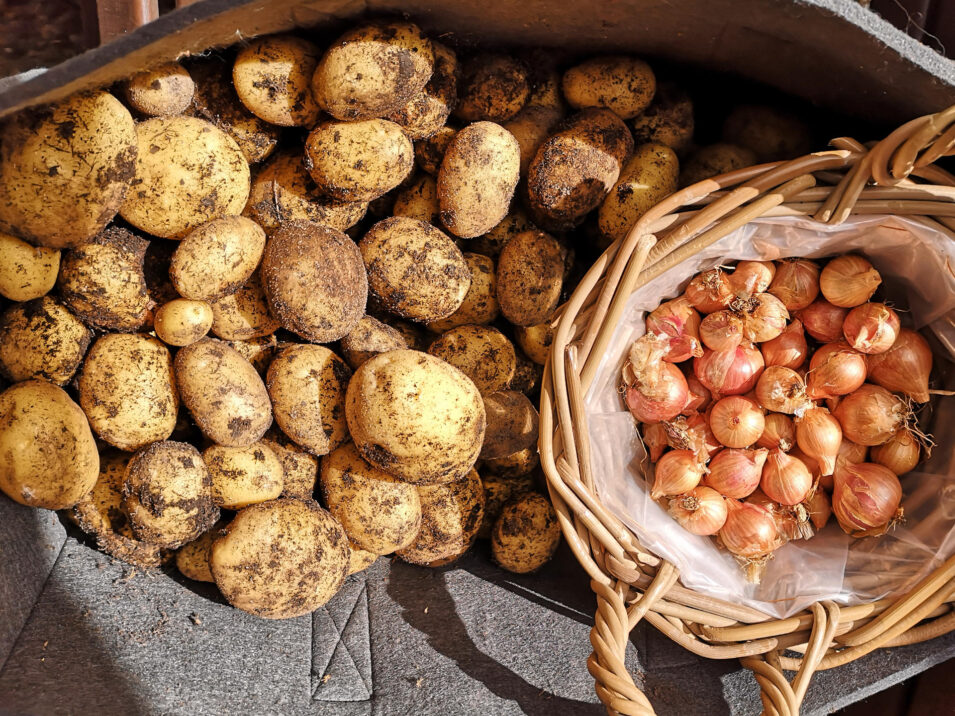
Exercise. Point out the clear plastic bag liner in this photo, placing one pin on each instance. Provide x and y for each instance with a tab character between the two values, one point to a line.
918	263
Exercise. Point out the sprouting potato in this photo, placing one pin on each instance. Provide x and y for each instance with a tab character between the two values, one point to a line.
162	91
272	77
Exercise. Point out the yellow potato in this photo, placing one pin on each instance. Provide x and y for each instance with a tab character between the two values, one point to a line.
258	351
530	127
527	375
192	559
426	112
493	88
512	424
245	314
27	271
535	340
482	353
491	243
713	160
522	462
419	200
530	273
648	176
526	534
498	491
668	120
272	76
369	338
162	91
429	152
479	306
619	83
299	467
41	339
217	258
359	559
770	133
181	321
415	336
243	476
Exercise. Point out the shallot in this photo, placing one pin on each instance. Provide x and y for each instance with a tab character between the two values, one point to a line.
736	421
736	473
849	281
678	471
701	511
796	283
866	498
905	367
871	328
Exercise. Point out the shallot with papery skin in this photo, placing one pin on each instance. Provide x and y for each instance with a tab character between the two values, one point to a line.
819	436
721	330
736	421
730	372
751	277
736	473
782	391
701	511
819	508
655	440
709	291
813	466
823	321
835	369
871	328
905	367
796	283
866	498
871	415
849	281
656	390
751	534
694	434
789	349
785	479
764	317
678	471
779	432
679	323
900	454
697	396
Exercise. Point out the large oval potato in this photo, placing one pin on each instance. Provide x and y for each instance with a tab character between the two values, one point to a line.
217	258
162	91
128	390
651	174
370	337
280	559
27	271
414	269
243	476
245	314
619	83
41	339
482	353
479	306
526	534
512	424
415	416
478	175
493	88
315	281
65	169
188	172
426	112
307	386
530	274
668	120
272	76
48	455
380	513
223	392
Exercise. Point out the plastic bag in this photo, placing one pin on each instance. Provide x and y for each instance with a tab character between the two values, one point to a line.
912	257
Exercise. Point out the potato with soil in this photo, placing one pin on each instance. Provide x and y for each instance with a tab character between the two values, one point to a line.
668	120
492	243
715	159
181	321
223	393
414	270
27	271
518	464
244	315
530	274
215	259
299	467
512	424
259	351
380	513
41	339
188	172
359	559
451	516
482	353
315	281
535	340
493	88
280	559
769	133
369	338
426	112
478	175
415	417
622	84
65	169
243	476
530	127
498	491
527	375
272	76
307	386
162	91
430	152
526	534
128	390
48	455
192	559
651	174
419	200
373	70
479	306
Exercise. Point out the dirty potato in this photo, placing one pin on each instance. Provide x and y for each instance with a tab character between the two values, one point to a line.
651	174
192	559
498	491
479	306
272	76
512	424
482	353
41	339
430	152
491	243
530	273
215	259
668	120
419	200
27	271
299	467
770	133
526	534
245	314
713	160
369	338
527	375
493	88
623	84
426	112
181	321
518	464
359	559
535	340
530	127
162	91
243	476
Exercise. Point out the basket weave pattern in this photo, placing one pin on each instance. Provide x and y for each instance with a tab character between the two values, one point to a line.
632	584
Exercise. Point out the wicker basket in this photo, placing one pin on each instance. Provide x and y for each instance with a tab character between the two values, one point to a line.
630	583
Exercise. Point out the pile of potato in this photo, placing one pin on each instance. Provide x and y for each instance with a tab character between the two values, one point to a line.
378	235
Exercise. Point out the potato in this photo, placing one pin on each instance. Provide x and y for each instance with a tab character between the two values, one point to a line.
103	281
577	167
358	161
380	513
426	112
300	468
668	120
526	534
512	424
41	339
619	83
415	416
369	338
245	314
451	515
479	306
243	476
128	390
530	127
272	76
373	70
482	353
527	375
181	321
491	243
430	152
215	259
414	269
419	200
713	160
517	464
307	386
478	175
415	336
650	175
315	281
493	88
162	91
530	273
769	133
535	340
192	559
498	491
49	455
359	559
188	173
258	351
280	559
65	169
224	394
27	271
283	192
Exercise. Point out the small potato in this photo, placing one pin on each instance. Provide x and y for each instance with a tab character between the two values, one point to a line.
258	351
478	175
530	273
380	513
300	468
522	462
168	494
215	259
223	392
128	390
430	152
493	88
414	270
272	76
451	515
243	476
359	559
715	159
648	176
419	200
491	243
498	491
769	133
426	112
65	169
512	424
315	281
369	338
535	340
181	321
160	92
280	559
479	306
49	454
104	283
373	70
416	417
530	127
307	387
41	339
526	534
619	83
192	559
283	192
188	172
27	271
527	375
482	353
245	314
668	120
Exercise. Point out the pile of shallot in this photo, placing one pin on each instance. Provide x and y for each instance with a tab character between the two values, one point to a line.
774	395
